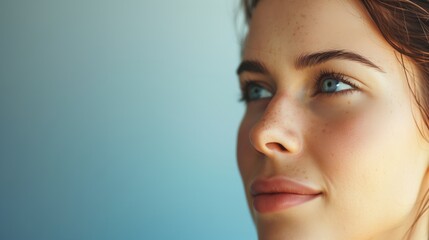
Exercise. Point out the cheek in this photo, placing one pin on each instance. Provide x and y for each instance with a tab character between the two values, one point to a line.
368	158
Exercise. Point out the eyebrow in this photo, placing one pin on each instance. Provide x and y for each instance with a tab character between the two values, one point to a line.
251	66
309	60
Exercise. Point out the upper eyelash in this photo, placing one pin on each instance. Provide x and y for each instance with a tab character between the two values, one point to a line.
335	75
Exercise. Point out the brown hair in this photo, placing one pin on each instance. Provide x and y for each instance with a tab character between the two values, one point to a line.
405	26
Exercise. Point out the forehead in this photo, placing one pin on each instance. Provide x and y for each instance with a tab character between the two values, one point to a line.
285	28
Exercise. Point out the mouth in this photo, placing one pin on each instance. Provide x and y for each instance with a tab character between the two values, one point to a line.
280	193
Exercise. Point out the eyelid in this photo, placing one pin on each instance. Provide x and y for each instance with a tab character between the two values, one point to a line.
244	85
245	82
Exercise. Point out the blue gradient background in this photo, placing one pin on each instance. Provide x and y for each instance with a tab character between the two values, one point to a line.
118	120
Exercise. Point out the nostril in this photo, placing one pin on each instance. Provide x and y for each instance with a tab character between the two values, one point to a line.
276	147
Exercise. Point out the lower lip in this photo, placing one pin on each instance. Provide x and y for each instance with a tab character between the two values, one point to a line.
266	203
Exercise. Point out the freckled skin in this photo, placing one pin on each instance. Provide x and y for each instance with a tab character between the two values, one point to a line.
362	149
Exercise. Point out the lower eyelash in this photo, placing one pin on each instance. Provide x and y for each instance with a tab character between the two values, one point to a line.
242	98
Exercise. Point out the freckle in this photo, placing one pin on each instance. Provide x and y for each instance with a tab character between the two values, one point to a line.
295	170
303	15
348	102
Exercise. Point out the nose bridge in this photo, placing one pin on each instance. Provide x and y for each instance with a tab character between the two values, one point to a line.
277	131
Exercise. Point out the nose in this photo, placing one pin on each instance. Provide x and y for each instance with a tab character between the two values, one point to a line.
277	133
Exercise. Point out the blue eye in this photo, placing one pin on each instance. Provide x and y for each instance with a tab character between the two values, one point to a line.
333	84
253	91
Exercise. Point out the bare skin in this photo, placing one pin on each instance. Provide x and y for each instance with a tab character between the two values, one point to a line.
357	141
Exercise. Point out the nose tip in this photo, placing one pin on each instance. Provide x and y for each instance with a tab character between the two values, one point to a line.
277	132
274	140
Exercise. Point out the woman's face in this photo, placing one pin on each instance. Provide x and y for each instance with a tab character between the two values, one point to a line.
329	146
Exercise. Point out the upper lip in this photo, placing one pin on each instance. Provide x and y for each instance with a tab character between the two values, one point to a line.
280	184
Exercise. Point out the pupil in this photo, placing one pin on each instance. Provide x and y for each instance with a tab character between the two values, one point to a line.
330	85
256	91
